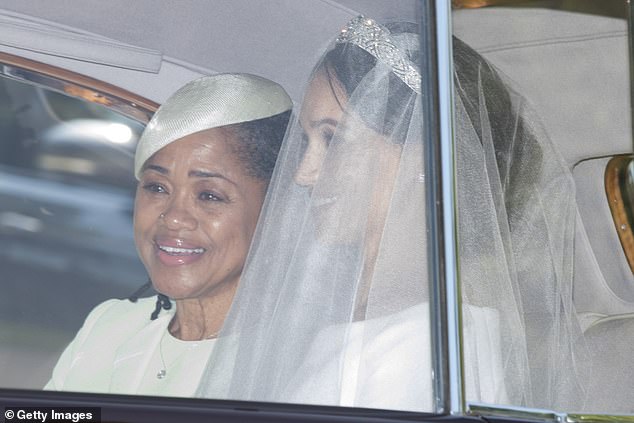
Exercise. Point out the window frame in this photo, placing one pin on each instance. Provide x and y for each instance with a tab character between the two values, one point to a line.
446	321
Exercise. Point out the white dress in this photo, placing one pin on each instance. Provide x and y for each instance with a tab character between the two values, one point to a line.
120	350
386	363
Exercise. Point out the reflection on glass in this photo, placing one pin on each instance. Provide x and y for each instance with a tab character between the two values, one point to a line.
66	198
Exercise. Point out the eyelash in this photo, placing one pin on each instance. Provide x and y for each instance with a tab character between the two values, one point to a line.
210	196
326	135
154	187
157	188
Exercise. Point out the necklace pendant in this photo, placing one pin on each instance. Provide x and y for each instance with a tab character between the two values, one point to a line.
161	374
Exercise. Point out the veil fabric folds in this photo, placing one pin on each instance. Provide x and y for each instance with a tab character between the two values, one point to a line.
333	304
516	213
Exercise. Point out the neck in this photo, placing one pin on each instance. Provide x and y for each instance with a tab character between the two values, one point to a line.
388	163
200	318
371	252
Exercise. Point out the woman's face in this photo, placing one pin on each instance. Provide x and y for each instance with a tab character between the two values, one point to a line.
195	213
349	167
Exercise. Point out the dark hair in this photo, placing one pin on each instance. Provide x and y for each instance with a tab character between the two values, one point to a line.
517	162
259	143
347	64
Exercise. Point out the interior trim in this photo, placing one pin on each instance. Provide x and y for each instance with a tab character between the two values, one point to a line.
39	35
76	85
614	181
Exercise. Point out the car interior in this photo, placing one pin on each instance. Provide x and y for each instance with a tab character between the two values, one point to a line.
570	60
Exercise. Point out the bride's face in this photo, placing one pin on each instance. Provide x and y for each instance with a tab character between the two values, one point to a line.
349	167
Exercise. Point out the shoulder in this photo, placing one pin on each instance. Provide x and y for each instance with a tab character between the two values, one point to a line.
123	311
113	321
87	362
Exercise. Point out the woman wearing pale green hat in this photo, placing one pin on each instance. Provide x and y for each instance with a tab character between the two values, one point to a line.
203	165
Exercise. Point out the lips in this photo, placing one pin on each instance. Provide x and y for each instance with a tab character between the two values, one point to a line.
176	252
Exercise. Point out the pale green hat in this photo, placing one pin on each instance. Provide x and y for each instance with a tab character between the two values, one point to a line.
210	102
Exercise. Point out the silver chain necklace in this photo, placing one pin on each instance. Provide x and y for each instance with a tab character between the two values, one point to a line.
162	373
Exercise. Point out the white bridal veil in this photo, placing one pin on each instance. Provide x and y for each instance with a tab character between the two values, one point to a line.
333	304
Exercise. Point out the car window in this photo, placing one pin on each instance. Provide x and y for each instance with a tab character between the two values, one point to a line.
69	182
66	200
451	248
548	172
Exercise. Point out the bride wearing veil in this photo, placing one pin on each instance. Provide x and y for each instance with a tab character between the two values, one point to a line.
333	305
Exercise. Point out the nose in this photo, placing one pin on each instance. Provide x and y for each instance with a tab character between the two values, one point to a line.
308	171
178	215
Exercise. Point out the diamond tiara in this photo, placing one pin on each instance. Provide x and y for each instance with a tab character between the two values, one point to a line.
375	39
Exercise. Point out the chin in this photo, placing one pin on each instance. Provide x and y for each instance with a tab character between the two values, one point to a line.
174	287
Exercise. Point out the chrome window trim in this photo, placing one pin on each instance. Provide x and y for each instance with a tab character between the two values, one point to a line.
598	418
78	86
537	415
454	404
437	69
519	413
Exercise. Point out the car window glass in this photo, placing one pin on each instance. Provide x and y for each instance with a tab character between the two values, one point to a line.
66	199
68	213
566	67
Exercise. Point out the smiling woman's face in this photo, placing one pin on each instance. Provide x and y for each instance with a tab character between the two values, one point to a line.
349	168
195	213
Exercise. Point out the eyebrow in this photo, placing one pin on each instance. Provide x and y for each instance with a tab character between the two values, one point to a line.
205	174
192	173
156	168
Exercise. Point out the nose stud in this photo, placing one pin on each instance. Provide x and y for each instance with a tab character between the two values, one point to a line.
162	216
